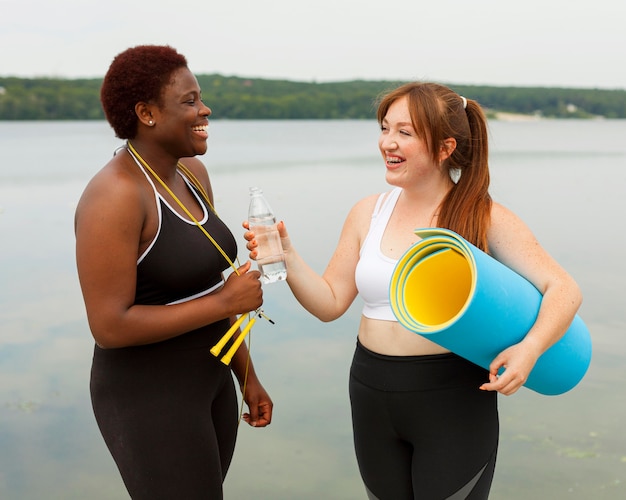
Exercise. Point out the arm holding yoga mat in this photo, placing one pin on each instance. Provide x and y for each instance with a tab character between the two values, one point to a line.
512	243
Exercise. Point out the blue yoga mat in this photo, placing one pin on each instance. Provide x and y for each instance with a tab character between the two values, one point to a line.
454	294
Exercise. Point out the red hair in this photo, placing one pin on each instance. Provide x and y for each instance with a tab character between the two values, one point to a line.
438	113
138	74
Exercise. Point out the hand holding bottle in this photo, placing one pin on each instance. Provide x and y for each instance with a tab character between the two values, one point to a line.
270	257
252	244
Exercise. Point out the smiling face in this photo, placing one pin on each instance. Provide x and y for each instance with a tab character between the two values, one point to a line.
406	155
182	116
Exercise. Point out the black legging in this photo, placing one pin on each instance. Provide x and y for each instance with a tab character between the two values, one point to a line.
169	418
422	428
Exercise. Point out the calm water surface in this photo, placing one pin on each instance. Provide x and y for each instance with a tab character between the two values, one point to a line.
566	179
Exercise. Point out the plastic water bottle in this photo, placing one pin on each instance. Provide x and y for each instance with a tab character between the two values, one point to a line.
271	258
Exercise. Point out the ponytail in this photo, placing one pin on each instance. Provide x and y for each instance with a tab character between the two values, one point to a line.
466	209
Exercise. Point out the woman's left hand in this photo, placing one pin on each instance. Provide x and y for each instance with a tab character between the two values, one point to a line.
260	405
517	361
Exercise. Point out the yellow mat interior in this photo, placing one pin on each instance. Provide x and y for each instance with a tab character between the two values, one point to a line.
437	288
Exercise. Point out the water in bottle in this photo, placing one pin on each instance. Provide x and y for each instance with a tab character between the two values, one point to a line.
270	258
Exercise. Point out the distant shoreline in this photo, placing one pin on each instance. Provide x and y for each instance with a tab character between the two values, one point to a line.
515	117
247	98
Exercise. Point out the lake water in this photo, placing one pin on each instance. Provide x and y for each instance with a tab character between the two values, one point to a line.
566	179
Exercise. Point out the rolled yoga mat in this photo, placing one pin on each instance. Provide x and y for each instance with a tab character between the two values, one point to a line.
454	294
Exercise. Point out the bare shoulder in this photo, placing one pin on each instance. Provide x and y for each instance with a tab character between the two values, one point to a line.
113	174
501	216
505	224
196	166
363	209
513	243
198	169
366	205
509	236
358	220
115	189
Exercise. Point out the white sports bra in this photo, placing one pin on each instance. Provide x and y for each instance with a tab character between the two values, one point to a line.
374	270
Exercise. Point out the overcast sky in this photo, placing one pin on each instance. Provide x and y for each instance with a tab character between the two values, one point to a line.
564	43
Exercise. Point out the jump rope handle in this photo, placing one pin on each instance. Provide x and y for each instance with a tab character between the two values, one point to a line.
217	348
226	359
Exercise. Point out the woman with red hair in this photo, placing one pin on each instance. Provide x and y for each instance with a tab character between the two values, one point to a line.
425	420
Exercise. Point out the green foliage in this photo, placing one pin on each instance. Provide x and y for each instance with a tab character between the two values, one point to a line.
49	99
549	102
246	98
256	98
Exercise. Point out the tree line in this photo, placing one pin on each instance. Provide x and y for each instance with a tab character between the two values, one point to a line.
232	97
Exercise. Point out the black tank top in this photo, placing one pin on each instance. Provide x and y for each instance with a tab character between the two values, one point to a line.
181	263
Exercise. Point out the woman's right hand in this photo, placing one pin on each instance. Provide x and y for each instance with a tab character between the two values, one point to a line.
252	244
244	291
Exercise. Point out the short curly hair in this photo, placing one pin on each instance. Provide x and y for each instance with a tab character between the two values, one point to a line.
138	74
